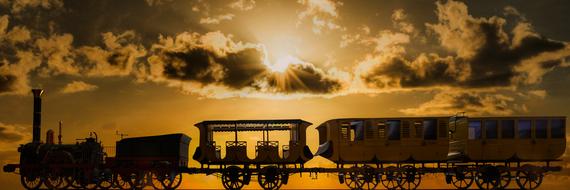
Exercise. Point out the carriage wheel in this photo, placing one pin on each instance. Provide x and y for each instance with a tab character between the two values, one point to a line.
529	178
354	179
105	180
127	181
31	181
156	178
463	178
172	180
53	180
505	177
488	177
233	178
411	178
370	178
391	179
269	178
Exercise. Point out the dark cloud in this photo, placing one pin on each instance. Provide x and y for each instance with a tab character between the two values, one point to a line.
214	59
7	83
7	136
304	78
235	70
483	54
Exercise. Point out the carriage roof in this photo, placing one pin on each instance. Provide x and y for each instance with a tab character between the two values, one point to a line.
251	125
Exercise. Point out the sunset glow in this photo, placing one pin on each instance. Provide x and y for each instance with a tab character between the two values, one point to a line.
151	67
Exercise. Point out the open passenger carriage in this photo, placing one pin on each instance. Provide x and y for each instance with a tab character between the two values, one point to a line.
237	168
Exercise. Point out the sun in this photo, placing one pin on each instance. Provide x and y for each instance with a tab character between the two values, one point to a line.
281	63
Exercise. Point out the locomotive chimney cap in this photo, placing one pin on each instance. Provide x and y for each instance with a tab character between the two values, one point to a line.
37	92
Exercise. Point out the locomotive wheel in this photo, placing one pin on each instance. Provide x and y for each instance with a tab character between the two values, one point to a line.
505	177
90	186
391	179
233	178
488	177
105	180
121	181
53	181
529	178
354	179
463	178
269	178
64	183
411	178
172	180
31	181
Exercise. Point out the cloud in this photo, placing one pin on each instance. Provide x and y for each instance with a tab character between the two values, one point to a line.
400	21
321	13
157	2
217	19
17	6
243	5
482	55
13	134
427	70
471	102
57	50
305	78
77	86
491	53
121	55
14	77
215	61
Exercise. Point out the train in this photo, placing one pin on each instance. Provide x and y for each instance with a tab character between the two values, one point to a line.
395	152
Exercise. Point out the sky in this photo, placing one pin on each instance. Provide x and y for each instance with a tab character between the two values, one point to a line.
152	67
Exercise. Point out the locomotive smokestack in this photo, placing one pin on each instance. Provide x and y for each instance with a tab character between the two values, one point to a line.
37	124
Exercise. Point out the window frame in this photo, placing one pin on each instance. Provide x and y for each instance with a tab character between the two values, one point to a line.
543	135
512	131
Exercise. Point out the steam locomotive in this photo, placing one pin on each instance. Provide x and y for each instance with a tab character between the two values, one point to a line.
394	152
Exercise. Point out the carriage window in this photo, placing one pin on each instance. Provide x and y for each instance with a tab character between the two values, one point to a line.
524	129
508	129
474	130
557	128
430	130
356	130
540	128
393	129
491	131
